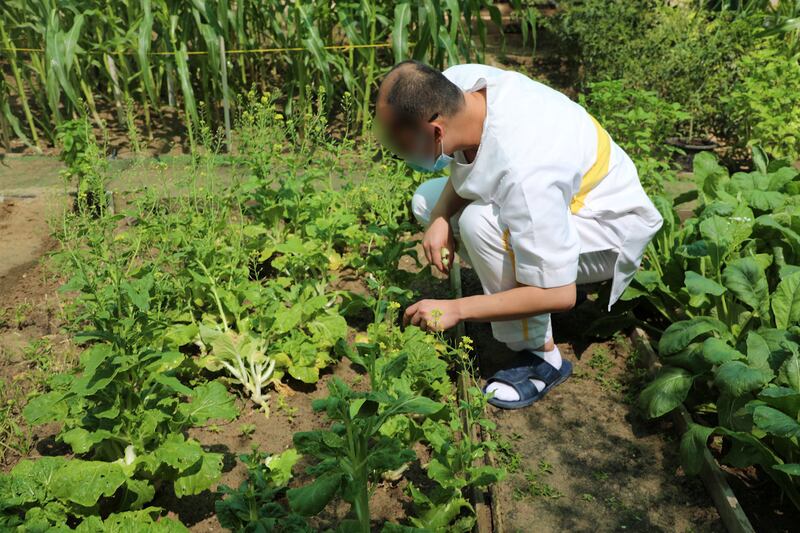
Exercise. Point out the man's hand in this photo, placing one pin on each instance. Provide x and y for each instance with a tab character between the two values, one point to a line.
433	315
438	238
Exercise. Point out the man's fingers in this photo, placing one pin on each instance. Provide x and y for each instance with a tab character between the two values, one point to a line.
427	249
438	264
410	310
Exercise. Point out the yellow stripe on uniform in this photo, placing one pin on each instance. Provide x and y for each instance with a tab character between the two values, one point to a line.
508	249
589	181
598	171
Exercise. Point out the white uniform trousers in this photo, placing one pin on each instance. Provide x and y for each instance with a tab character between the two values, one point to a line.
483	244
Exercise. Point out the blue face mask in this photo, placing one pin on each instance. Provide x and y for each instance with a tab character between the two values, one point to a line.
427	166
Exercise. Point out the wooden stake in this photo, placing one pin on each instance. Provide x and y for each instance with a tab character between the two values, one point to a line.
486	514
728	506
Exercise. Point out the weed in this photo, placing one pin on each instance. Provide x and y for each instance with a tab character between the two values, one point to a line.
535	486
246	430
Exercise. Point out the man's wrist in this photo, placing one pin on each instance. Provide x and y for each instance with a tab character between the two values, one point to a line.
462	309
439	213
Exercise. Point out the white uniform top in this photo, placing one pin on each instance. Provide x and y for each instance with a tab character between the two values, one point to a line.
536	150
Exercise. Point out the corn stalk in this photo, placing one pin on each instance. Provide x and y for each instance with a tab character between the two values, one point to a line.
97	53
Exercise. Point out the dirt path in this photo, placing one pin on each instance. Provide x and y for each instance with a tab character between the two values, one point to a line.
24	233
582	459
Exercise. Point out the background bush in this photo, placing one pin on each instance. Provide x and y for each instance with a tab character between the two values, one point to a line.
696	58
640	122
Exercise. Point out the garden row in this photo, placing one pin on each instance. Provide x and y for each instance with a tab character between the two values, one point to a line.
179	302
725	285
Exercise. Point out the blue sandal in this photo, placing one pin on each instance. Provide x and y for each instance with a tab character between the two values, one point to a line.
519	379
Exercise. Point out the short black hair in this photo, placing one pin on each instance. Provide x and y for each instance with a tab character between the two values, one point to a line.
420	94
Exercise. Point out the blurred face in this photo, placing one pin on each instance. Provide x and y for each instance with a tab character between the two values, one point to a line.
422	143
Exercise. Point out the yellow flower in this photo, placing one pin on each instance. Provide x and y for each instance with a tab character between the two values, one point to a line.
278	116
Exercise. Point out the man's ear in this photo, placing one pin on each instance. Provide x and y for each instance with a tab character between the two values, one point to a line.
438	131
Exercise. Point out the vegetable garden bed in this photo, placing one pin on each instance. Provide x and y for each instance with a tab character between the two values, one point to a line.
262	309
218	319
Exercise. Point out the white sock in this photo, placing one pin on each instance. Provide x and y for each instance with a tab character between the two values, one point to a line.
507	393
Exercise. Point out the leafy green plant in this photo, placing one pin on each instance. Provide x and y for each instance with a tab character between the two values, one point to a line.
127	409
244	357
252	507
733	343
763	108
353	452
53	493
456	452
743	239
86	165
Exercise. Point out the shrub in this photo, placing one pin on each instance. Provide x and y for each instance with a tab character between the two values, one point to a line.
763	107
640	122
683	55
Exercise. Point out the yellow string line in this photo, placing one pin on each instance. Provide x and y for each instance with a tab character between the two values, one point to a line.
246	51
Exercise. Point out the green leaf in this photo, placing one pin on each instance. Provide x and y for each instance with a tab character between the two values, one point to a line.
793	469
693	447
311	499
699	286
439	517
208	401
306	374
280	466
789	372
708	174
31	480
770	228
666	392
48	407
716	351
775	422
363	408
132	521
737	378
139	492
81	440
757	351
702	285
85	482
418	405
782	398
178	453
680	334
328	328
732	411
402	18
747	281
200	476
288	319
786	301
171	383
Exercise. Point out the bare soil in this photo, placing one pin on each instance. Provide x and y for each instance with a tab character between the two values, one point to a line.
582	459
